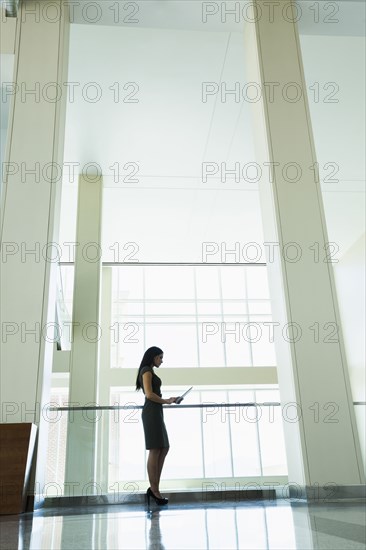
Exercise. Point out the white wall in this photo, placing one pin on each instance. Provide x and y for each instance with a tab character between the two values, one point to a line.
350	283
339	132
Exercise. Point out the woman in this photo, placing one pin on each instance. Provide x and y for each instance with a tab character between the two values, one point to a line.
156	437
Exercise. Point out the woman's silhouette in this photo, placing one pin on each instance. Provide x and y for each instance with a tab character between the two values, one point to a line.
156	437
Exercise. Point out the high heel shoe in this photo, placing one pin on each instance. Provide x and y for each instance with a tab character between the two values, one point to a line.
159	501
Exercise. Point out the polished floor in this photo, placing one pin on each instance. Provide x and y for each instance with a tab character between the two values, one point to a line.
261	525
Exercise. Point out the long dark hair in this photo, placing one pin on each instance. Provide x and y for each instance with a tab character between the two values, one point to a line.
147	361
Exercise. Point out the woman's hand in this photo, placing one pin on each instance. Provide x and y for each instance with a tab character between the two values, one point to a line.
170	400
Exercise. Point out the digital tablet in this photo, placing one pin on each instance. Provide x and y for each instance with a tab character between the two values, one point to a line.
181	397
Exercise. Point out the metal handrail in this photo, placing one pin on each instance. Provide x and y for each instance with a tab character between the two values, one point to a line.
175	264
193	406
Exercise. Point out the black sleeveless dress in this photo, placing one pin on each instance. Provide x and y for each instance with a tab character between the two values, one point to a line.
156	436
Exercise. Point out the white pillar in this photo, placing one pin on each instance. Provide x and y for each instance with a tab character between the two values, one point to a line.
323	445
30	214
82	426
102	459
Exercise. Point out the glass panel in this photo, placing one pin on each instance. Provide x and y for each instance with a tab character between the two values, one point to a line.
57	433
233	283
127	344
237	308
216	438
168	308
177	342
237	351
185	455
126	439
244	436
266	396
127	283
263	350
207	283
257	282
209	308
169	283
272	441
165	320
128	309
211	349
259	307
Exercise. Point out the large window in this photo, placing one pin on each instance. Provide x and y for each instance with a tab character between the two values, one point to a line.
201	316
204	316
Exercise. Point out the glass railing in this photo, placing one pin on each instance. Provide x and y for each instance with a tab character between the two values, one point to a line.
100	450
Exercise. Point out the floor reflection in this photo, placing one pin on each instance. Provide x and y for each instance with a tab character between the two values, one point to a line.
155	541
252	526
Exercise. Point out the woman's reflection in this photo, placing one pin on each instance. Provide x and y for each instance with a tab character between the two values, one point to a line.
155	538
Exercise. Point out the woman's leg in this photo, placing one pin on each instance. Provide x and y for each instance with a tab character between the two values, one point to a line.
155	463
153	470
163	452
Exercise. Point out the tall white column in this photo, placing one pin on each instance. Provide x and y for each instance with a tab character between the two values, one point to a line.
30	211
106	417
82	425
320	430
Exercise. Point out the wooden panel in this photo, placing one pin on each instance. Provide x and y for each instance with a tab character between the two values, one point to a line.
16	452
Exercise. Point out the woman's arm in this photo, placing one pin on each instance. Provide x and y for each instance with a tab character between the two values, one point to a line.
149	394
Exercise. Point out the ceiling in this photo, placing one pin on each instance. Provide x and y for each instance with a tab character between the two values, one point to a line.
169	132
159	131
